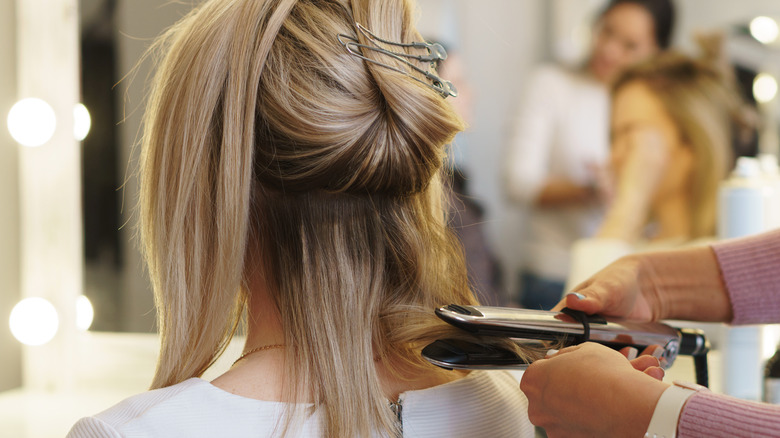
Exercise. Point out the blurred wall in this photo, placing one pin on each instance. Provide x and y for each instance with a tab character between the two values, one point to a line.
10	349
500	41
695	15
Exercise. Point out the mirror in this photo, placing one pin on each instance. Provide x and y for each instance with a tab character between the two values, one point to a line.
114	35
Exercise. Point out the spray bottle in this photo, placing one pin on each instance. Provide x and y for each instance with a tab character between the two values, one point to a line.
742	211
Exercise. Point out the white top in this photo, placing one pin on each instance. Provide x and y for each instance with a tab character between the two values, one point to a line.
484	403
562	131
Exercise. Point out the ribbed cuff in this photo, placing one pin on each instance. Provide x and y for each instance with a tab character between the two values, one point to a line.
751	272
720	416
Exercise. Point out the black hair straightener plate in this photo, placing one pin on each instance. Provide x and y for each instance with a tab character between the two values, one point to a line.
566	328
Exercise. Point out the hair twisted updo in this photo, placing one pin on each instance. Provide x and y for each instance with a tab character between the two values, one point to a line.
329	120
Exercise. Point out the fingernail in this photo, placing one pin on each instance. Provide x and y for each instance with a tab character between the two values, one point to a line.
551	352
578	295
632	352
658	353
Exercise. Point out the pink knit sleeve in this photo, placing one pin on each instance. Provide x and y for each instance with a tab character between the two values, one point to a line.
719	416
751	272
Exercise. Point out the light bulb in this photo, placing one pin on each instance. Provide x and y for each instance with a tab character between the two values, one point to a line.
84	313
32	121
34	321
82	122
764	29
764	88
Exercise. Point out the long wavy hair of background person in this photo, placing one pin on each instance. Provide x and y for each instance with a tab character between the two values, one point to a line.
267	146
700	96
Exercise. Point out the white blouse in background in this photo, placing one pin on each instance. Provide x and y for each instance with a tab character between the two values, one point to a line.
562	131
482	404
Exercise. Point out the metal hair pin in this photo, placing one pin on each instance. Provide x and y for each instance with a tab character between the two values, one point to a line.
435	53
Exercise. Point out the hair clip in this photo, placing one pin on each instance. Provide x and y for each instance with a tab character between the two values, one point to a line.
435	53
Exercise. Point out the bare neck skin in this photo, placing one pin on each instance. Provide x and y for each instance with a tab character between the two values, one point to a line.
262	375
259	375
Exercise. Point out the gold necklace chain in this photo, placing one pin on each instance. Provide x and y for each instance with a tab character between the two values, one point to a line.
258	349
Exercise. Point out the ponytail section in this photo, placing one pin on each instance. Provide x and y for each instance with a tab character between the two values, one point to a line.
196	176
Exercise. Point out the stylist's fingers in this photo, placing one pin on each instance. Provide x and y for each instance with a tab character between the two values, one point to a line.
642	363
576	301
655	372
589	298
653	350
629	352
553	352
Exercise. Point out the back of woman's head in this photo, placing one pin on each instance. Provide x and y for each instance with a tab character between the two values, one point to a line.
700	97
662	13
271	148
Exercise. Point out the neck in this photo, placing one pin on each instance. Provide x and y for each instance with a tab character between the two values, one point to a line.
262	375
673	215
264	326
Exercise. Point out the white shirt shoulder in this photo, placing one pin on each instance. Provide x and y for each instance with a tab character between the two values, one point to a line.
488	403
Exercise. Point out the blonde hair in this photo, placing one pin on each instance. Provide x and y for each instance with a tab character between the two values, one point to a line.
265	140
700	96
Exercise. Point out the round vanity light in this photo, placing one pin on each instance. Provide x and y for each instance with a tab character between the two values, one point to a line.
82	122
764	87
34	321
764	29
32	121
84	313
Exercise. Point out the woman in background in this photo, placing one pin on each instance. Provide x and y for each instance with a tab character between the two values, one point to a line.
672	120
561	141
291	170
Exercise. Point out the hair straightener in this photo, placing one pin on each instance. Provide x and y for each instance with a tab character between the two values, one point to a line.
566	328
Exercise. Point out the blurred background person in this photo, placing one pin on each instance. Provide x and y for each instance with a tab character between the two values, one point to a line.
673	120
561	140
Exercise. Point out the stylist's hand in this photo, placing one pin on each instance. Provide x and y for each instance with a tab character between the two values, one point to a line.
590	390
625	288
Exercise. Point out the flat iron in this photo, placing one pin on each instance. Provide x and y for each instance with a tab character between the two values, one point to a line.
567	327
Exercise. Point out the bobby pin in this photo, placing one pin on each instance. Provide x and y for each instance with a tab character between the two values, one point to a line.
435	53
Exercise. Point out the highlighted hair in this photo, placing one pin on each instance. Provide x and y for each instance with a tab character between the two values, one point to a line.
267	146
